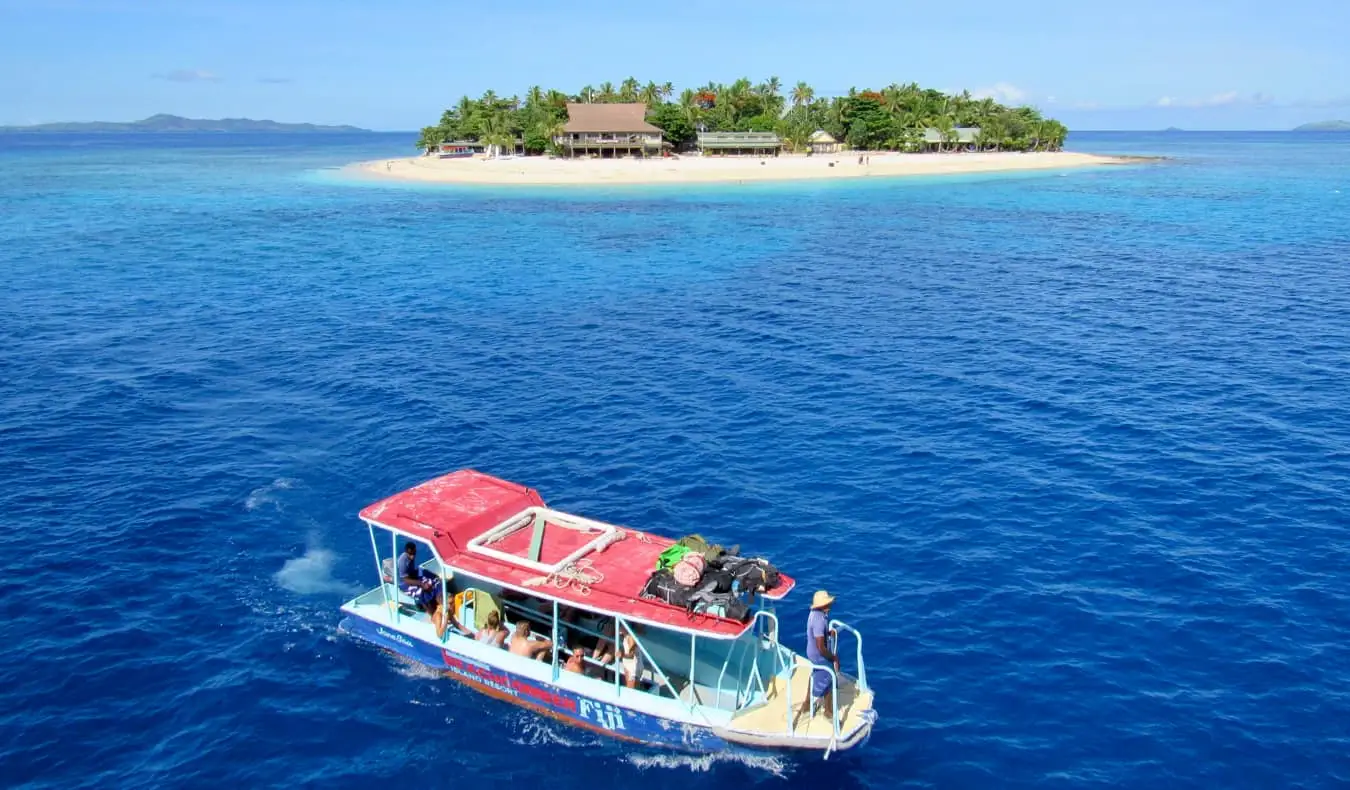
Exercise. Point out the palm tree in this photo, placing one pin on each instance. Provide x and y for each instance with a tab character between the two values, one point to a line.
802	95
667	90
497	134
606	93
535	97
587	94
628	90
468	116
772	86
650	95
689	103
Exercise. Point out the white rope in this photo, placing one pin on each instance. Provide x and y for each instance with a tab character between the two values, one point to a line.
581	574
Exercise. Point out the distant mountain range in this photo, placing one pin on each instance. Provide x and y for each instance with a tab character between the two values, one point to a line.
1324	126
174	123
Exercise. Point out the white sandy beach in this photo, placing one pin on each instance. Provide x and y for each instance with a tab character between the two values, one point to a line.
697	169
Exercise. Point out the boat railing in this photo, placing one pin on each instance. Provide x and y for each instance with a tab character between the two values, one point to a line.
623	626
839	626
771	624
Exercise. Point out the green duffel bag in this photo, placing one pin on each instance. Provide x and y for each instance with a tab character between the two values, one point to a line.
670	556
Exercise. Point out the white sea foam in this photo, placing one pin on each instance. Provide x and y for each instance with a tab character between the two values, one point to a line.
312	574
535	731
415	670
266	495
704	763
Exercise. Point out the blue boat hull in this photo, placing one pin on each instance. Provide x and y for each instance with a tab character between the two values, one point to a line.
555	702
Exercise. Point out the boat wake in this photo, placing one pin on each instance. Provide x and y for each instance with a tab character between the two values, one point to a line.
706	762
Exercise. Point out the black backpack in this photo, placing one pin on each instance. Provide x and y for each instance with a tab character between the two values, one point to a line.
754	575
715	580
663	587
733	608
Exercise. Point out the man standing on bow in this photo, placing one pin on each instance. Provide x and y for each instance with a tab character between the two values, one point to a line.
818	652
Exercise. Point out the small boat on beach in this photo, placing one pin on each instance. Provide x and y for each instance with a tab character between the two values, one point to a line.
597	642
458	150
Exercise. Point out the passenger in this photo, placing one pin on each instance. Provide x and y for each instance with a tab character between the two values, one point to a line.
493	634
420	583
441	617
569	616
522	644
630	658
577	661
604	648
818	634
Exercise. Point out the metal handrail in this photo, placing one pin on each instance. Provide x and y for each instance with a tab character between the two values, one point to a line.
618	634
834	695
839	625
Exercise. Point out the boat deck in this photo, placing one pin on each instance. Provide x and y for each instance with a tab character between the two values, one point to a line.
770	717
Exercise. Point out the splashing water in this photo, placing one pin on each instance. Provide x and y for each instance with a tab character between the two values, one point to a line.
266	495
312	574
704	763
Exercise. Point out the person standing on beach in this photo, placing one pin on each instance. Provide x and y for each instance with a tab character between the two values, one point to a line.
818	652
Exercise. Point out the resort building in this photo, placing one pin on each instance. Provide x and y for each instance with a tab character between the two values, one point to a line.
935	140
822	142
736	143
609	130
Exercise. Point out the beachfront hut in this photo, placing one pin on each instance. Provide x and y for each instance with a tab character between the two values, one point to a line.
935	140
609	130
822	142
751	143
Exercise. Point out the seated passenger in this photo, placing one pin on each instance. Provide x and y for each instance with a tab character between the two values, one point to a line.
493	633
604	649
421	584
522	644
442	617
630	658
577	661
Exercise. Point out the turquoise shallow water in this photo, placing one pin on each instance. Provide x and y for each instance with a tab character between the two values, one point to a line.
1071	449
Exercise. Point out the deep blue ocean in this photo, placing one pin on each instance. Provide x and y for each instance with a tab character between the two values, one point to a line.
1071	448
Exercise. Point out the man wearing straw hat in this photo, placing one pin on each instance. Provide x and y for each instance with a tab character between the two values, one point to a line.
818	634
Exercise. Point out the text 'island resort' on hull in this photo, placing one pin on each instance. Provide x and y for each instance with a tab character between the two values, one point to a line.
621	632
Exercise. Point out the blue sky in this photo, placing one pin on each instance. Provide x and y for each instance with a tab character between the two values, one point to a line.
395	64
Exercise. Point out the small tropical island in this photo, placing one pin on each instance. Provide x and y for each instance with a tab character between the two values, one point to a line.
646	133
1324	126
163	123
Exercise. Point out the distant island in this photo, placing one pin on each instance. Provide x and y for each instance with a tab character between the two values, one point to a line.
1173	129
1324	126
741	116
173	123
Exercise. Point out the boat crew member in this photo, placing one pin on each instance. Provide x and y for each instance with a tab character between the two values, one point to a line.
420	583
818	634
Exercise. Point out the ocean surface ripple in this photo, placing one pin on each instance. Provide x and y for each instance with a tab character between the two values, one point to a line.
1071	449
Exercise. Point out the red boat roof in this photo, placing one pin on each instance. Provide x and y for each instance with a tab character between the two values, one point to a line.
449	512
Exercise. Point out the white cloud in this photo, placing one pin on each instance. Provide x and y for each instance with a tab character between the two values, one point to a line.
1001	92
189	75
1225	99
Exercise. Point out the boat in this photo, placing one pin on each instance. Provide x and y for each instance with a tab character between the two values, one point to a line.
708	681
458	150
